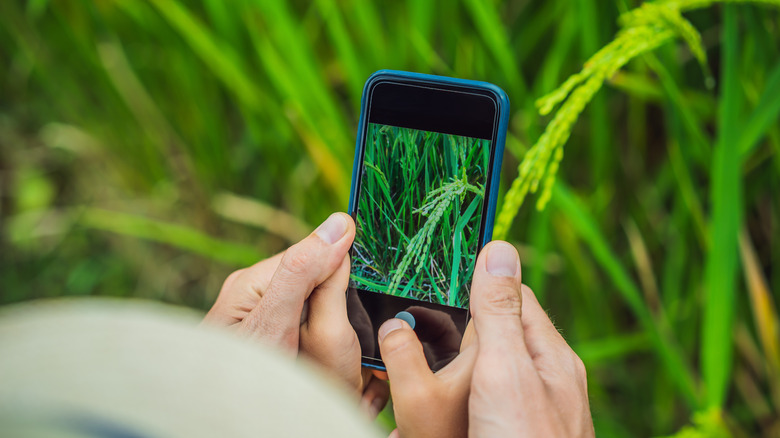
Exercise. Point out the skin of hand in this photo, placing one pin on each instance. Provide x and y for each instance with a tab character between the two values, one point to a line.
296	300
426	404
521	378
527	381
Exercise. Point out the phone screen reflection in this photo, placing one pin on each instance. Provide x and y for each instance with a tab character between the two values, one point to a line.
437	331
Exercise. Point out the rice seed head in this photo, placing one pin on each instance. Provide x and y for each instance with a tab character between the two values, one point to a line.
437	202
643	29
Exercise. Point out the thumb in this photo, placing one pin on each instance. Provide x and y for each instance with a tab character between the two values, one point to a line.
403	356
496	300
304	266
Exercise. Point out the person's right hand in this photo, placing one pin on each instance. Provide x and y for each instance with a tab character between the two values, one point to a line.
515	375
527	381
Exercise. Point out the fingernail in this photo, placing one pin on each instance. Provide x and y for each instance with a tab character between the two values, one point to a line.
502	260
389	326
333	228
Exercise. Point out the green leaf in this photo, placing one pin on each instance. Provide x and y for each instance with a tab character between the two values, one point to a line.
764	116
456	247
726	197
664	345
176	235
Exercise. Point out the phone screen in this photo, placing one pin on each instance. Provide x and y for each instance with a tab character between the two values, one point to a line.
419	214
419	206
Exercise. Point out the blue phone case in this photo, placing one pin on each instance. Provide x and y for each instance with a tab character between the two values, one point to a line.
503	113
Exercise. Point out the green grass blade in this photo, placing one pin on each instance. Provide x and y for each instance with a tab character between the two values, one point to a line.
176	235
456	246
366	22
665	346
353	70
600	135
725	195
488	23
700	144
601	350
220	58
764	116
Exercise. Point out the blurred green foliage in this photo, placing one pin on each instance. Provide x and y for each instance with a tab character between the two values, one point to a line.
149	148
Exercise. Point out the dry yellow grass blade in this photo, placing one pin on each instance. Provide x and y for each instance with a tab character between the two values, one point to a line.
644	265
252	212
764	311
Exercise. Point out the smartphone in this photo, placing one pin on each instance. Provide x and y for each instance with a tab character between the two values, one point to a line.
423	197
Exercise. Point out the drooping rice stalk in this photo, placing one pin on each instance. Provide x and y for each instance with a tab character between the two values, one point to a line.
644	29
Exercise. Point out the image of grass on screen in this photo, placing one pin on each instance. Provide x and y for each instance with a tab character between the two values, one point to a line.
419	214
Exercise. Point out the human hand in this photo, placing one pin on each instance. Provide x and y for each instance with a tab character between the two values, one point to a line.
515	376
428	404
296	300
527	380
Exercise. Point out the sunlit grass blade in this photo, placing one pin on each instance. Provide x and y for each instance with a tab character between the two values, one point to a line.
488	21
221	58
259	214
176	235
320	149
352	66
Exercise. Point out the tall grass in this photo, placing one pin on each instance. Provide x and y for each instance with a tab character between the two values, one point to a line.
149	148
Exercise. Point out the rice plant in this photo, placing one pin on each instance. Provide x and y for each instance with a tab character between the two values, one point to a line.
644	29
148	149
419	214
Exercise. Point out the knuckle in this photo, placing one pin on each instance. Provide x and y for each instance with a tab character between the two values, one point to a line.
296	262
503	299
232	278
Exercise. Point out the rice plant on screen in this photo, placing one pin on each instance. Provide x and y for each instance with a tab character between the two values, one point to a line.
419	214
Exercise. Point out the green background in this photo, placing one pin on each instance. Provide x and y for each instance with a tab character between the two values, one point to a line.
147	149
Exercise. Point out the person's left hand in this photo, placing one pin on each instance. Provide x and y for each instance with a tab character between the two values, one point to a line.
296	300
